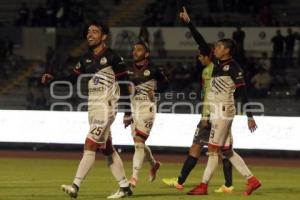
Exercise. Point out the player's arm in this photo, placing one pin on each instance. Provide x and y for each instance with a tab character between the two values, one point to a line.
50	76
121	73
203	46
240	84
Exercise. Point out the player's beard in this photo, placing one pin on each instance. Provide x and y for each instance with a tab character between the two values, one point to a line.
93	46
139	59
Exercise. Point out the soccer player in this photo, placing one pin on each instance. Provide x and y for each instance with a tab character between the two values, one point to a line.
201	136
104	68
227	76
146	79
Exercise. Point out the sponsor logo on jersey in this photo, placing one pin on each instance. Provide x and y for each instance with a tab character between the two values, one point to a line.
226	68
103	61
147	73
88	61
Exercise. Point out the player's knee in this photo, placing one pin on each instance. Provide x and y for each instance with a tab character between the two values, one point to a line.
138	139
109	149
195	150
90	145
213	150
227	153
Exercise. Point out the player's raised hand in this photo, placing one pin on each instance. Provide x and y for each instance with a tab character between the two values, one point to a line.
252	125
127	120
184	15
46	78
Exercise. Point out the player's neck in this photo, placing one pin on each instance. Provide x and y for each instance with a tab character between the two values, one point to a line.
225	58
99	49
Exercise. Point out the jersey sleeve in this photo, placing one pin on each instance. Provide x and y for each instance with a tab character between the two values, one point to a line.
236	74
202	44
121	73
120	68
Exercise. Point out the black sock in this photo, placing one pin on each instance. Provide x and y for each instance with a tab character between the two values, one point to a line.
187	167
227	169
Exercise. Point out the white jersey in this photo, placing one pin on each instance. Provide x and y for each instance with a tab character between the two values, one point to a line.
226	77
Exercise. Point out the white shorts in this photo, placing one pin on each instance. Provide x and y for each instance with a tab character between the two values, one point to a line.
221	122
143	120
100	121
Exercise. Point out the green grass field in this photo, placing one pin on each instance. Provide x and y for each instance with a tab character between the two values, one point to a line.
40	179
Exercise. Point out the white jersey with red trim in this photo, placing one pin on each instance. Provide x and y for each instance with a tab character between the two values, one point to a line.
146	80
226	77
103	89
102	73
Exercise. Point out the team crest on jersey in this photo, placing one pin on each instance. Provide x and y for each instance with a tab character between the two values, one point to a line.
147	73
226	68
103	61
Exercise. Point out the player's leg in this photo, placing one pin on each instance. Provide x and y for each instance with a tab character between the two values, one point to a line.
227	170
252	182
155	165
92	142
218	134
200	137
84	167
116	167
149	156
138	157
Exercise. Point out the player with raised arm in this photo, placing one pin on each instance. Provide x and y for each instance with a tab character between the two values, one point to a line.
227	77
104	69
147	80
201	135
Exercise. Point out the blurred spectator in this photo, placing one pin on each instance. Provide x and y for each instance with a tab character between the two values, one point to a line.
251	68
278	47
181	78
144	35
239	36
170	13
264	62
49	56
24	14
38	17
289	46
261	82
159	44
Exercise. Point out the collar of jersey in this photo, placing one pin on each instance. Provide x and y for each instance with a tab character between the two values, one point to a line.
98	55
225	62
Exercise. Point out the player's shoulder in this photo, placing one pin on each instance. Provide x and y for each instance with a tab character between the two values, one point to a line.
234	65
113	55
86	56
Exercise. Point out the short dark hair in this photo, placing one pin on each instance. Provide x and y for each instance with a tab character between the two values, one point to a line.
144	44
230	44
104	28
